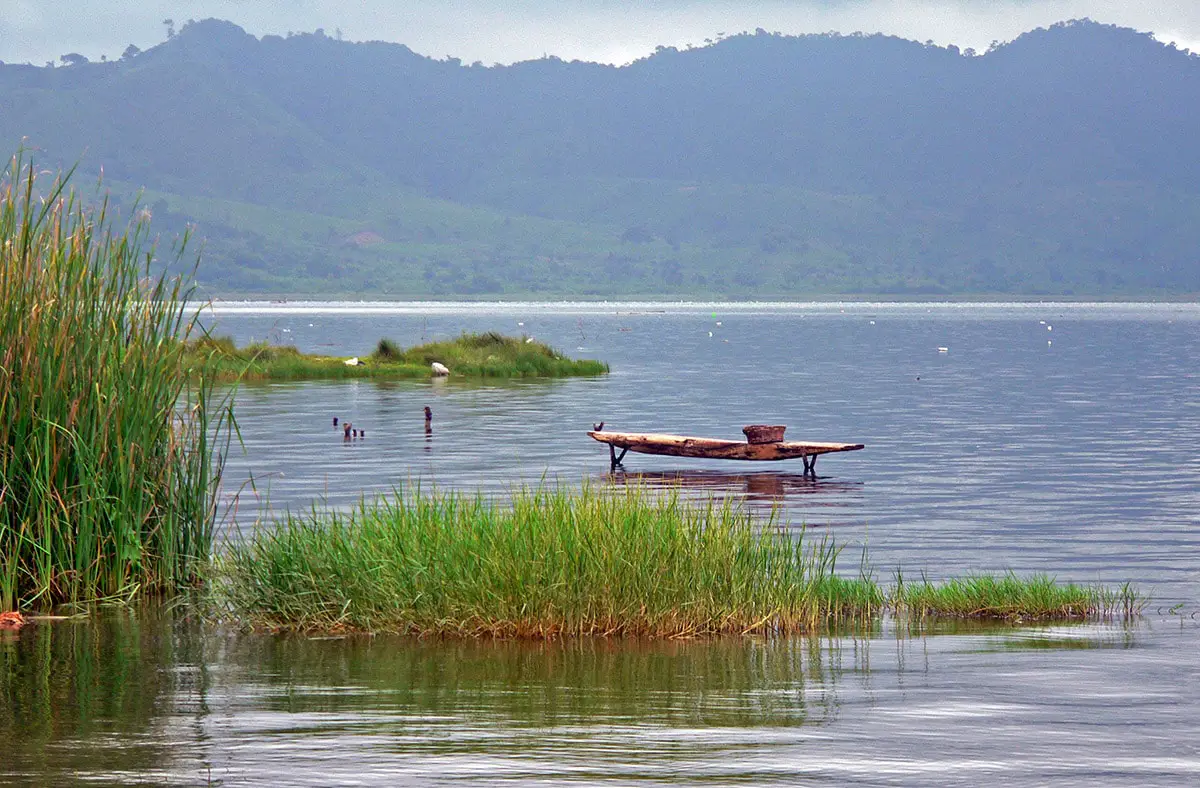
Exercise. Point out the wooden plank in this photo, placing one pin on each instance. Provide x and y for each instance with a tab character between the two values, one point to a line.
716	448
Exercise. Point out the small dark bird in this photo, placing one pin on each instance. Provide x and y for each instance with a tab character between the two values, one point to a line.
362	433
335	421
355	433
598	427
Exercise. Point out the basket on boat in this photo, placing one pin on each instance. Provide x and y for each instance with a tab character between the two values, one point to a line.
764	433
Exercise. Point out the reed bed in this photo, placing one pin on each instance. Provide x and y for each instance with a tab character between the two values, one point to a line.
489	355
586	562
549	563
107	479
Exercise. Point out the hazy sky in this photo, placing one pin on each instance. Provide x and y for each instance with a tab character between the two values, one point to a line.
606	30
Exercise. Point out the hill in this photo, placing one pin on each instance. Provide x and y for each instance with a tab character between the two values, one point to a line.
762	165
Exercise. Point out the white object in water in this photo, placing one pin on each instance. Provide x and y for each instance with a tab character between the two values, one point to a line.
439	368
519	323
1049	328
872	322
943	350
353	362
718	322
528	340
710	334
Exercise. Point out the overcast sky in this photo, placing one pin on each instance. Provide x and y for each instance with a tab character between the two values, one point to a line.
605	30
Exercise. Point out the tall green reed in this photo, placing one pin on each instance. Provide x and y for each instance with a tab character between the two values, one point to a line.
107	474
549	562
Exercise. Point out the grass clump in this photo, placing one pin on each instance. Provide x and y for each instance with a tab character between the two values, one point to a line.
488	355
1011	598
107	480
387	350
562	563
552	563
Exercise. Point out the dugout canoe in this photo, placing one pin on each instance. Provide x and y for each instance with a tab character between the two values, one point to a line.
716	448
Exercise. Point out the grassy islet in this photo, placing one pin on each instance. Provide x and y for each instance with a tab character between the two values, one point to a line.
554	562
486	355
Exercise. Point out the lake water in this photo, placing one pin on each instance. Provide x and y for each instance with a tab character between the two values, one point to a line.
1047	437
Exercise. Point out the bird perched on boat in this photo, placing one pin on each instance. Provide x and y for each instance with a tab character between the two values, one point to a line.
598	427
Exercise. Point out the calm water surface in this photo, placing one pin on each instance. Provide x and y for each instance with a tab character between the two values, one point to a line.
1055	438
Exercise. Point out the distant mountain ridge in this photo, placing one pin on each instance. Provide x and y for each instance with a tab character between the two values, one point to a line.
1061	163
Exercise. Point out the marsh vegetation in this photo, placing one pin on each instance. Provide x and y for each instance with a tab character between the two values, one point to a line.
555	562
107	478
486	355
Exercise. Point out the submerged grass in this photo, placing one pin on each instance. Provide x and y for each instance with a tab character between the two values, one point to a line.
470	355
107	480
564	563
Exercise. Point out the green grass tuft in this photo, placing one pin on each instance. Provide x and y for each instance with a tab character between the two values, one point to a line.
561	563
1012	598
386	350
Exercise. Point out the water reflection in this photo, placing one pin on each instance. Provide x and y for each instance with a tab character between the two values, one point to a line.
89	698
150	696
594	682
758	489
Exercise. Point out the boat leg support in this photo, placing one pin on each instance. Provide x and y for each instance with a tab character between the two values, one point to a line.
810	464
614	458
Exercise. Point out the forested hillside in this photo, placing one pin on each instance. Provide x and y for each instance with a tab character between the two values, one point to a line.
1063	163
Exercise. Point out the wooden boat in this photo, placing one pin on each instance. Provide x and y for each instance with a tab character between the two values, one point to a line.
715	448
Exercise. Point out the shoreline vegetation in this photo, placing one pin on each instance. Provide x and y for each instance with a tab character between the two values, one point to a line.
486	355
107	474
562	563
111	450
